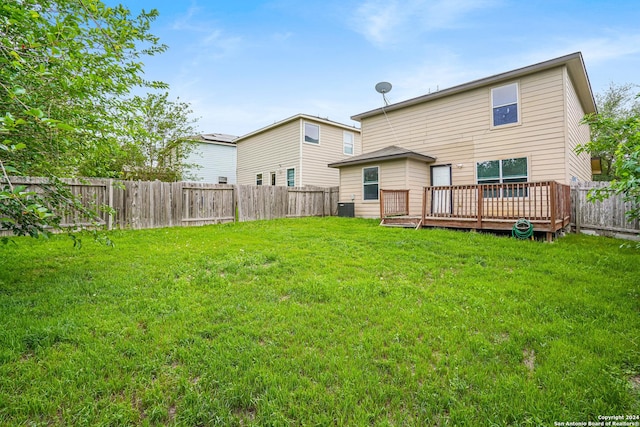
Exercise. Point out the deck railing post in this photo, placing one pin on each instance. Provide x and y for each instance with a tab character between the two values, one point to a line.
424	203
480	207
381	204
406	202
553	200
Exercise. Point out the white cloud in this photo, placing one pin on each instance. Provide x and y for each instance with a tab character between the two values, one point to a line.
385	22
217	45
607	48
431	76
185	22
595	50
211	42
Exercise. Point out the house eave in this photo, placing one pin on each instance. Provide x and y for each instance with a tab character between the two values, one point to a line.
298	117
573	62
385	158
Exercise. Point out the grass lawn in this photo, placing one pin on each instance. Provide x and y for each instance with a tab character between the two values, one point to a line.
318	321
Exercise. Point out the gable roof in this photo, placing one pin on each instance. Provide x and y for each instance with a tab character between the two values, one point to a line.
573	62
298	117
215	138
388	153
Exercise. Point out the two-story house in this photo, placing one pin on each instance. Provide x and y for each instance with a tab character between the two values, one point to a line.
294	152
498	132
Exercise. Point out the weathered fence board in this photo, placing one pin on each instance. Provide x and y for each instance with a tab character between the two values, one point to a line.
268	202
153	204
606	217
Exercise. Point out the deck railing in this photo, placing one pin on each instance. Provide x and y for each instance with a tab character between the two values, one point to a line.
394	203
545	202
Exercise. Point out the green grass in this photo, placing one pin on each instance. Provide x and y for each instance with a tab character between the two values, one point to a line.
318	321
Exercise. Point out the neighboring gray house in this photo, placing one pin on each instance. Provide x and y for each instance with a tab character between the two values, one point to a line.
215	153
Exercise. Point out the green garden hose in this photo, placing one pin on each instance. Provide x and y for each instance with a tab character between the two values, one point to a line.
522	229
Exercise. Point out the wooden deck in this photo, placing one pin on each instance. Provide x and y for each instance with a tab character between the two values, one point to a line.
547	205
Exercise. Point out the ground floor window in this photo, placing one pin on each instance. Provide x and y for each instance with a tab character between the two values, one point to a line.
273	178
291	177
503	172
259	179
370	183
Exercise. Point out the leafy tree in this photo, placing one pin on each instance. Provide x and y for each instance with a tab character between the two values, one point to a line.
156	139
65	68
618	134
617	103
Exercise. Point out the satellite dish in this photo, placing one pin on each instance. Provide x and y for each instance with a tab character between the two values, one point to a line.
383	87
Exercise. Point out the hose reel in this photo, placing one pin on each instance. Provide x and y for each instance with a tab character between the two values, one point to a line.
522	229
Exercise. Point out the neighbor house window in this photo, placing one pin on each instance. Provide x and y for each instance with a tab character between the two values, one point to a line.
222	180
259	179
311	133
347	142
504	101
273	178
370	183
291	177
503	172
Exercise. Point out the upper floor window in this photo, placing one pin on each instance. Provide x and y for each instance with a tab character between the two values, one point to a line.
504	102
347	142
222	180
259	179
311	133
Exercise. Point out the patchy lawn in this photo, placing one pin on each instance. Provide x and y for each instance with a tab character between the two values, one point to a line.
318	321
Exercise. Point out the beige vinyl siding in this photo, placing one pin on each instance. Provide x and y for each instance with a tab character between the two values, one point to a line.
457	129
315	157
266	152
418	176
351	187
579	166
392	175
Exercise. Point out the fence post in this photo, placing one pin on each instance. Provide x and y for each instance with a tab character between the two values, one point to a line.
110	204
578	207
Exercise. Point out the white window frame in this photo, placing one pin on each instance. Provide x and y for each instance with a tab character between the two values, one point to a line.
222	180
259	179
518	106
346	135
273	178
304	133
294	176
364	184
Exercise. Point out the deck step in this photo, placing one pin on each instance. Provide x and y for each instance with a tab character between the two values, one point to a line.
401	225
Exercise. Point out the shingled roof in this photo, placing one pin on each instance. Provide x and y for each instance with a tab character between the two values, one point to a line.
215	138
388	153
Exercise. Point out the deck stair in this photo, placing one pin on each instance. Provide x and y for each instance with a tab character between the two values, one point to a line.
403	221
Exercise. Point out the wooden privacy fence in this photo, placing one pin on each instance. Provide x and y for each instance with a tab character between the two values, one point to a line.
268	202
153	204
606	217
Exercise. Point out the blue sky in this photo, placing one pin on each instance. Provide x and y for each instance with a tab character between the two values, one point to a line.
243	65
